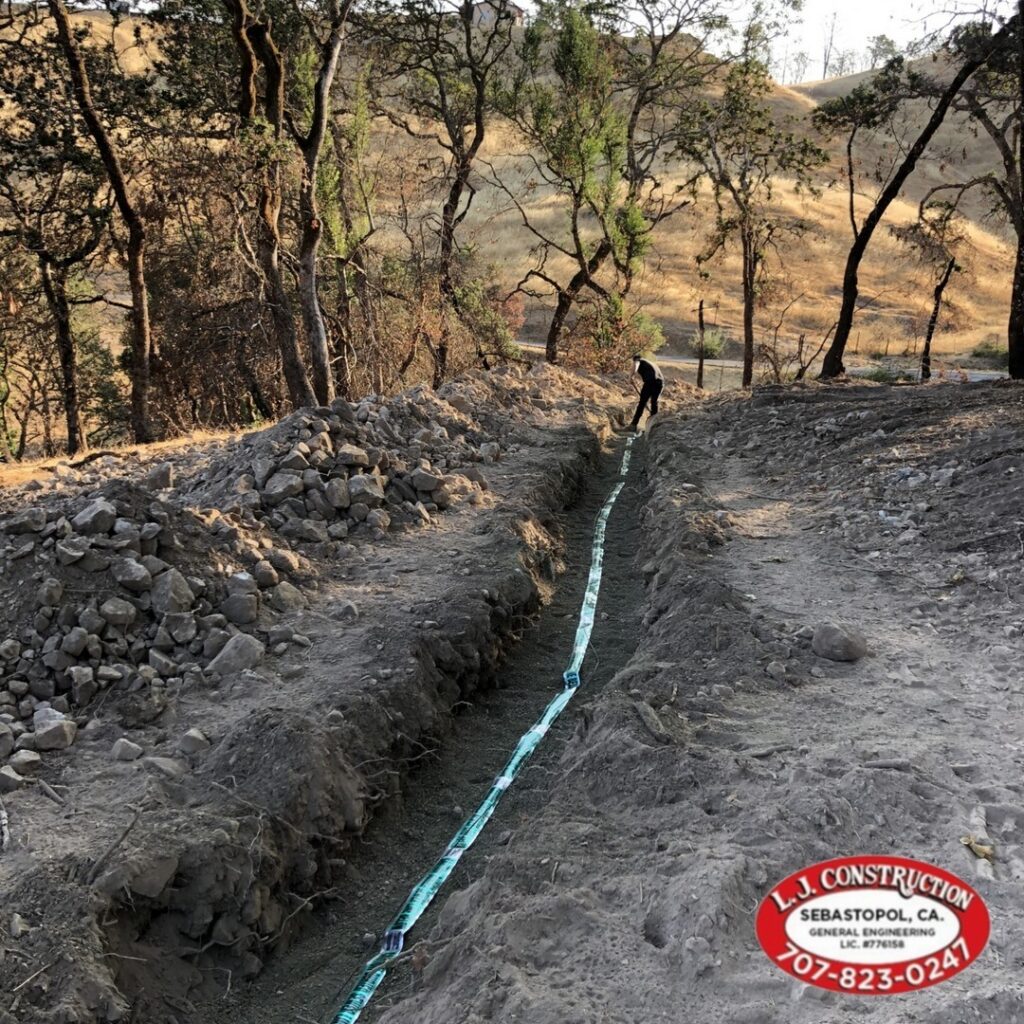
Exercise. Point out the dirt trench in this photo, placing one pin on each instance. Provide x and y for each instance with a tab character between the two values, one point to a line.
310	980
725	754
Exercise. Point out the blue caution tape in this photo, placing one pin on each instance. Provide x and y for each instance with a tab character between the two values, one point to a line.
426	888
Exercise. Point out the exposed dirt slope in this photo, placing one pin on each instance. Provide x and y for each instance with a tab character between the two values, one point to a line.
726	754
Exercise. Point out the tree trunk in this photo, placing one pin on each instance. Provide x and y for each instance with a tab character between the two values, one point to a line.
568	295
700	344
926	352
55	289
141	335
312	229
256	47
749	298
1015	329
833	364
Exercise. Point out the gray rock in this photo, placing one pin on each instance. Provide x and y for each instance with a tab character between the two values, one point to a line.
193	741
57	734
26	762
286	598
241	609
74	643
282	486
124	750
31	520
239	653
161	477
169	767
490	451
265	574
294	460
19	927
242	583
165	665
10	649
776	669
171	593
366	489
379	519
71	549
83	684
337	493
306	530
181	626
6	740
838	643
132	575
350	455
118	612
424	480
98	516
10	780
50	593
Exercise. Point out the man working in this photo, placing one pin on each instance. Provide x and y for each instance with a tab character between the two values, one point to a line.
653	382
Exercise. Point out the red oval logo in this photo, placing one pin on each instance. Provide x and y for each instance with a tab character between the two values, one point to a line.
873	926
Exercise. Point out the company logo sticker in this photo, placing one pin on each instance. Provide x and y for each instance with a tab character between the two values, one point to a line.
872	925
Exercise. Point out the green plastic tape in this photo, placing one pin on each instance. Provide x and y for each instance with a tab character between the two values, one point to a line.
423	893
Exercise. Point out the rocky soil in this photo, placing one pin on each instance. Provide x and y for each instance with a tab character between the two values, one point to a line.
829	663
216	666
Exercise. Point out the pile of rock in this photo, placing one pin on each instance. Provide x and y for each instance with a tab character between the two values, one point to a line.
120	590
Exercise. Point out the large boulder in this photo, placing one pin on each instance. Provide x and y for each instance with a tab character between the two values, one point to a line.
98	516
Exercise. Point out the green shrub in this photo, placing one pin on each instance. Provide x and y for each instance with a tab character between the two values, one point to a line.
714	344
993	352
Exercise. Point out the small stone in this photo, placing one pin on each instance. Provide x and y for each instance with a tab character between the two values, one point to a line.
241	609
164	664
282	486
838	643
26	762
83	684
366	489
171	593
347	611
286	598
265	574
193	741
350	455
242	583
10	649
98	516
776	669
71	549
75	641
490	451
56	735
19	927
10	780
170	767
124	750
132	575
181	626
337	493
379	519
32	520
6	740
423	480
50	593
118	612
161	477
239	653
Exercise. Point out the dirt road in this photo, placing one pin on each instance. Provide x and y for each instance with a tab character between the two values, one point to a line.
725	754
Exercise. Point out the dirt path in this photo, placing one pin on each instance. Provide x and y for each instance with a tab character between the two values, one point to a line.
725	754
309	981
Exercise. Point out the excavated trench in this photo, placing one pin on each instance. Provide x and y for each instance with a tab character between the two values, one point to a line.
452	770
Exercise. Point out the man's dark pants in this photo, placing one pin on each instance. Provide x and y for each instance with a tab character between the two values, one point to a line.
649	392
